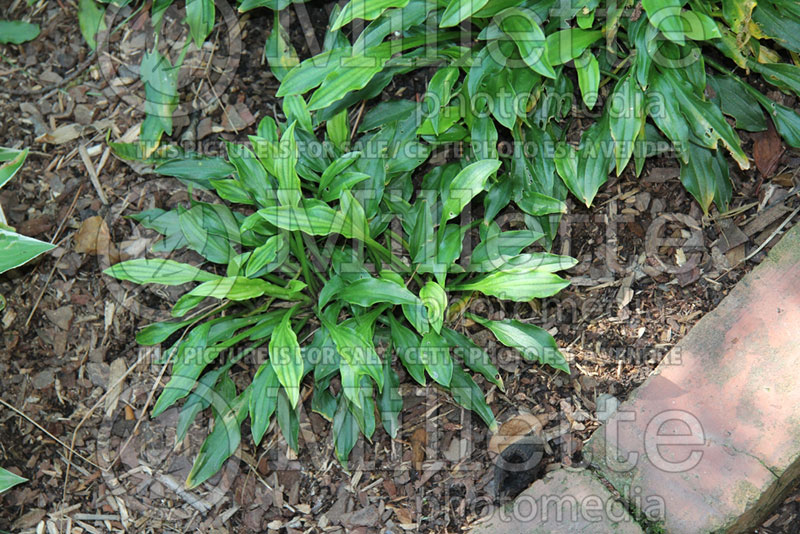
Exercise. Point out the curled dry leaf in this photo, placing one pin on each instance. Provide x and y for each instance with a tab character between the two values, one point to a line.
59	136
94	238
767	150
514	429
418	440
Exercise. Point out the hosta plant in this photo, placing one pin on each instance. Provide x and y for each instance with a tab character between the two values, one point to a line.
634	72
15	249
337	261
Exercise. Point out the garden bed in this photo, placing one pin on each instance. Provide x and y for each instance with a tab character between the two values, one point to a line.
66	327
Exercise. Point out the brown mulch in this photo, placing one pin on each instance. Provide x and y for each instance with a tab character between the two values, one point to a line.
68	331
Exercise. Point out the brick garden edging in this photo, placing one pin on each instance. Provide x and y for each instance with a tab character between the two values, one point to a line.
711	441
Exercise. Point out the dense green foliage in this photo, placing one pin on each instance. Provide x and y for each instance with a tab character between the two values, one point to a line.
339	250
345	250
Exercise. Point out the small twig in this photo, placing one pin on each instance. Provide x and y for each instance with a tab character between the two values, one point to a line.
40	427
48	89
773	234
89	413
358	117
87	161
68	214
47	283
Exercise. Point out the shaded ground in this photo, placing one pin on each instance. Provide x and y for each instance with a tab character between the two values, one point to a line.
68	332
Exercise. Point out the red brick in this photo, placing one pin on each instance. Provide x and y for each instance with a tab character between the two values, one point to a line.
735	374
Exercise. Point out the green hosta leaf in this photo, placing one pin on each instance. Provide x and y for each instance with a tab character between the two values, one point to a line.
265	255
705	176
7	478
467	394
666	16
439	93
352	74
252	174
782	75
198	349
159	271
275	5
345	430
219	445
200	18
738	104
537	204
13	162
406	344
312	71
17	31
390	402
434	353
279	51
335	169
704	117
459	10
198	400
474	357
566	45
236	288
158	332
537	261
585	170
160	81
287	362
699	26
357	351
369	291
468	183
365	10
529	38
354	220
296	110
288	182
516	286
737	12
779	20
196	170
338	130
263	400
17	249
497	244
288	420
343	181
532	342
232	191
91	20
435	300
484	138
786	120
625	119
311	217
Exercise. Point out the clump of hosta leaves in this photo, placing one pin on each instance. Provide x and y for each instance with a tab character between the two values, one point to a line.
345	260
506	69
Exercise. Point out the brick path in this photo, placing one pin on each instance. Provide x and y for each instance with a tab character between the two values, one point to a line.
711	441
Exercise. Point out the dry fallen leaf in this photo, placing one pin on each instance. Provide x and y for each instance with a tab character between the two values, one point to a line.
59	136
767	150
93	237
404	515
514	429
118	369
418	441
